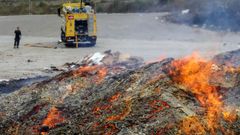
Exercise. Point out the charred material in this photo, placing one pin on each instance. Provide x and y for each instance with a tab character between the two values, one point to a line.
121	95
9	86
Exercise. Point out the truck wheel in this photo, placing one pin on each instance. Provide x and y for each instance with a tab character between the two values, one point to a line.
93	41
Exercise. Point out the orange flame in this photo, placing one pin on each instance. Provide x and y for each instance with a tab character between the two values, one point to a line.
158	106
102	74
106	129
83	70
123	114
192	125
194	73
99	71
230	116
97	111
114	97
53	118
98	74
110	129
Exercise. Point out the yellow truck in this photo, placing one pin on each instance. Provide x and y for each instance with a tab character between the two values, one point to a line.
79	27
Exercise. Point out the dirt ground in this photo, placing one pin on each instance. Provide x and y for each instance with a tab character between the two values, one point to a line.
146	35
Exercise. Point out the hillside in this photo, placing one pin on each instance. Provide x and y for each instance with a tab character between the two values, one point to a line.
16	7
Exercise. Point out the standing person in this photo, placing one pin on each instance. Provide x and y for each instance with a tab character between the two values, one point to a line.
17	39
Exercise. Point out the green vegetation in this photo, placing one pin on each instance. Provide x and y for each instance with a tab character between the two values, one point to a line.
17	7
20	7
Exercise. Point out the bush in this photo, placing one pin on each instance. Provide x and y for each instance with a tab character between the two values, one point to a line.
110	6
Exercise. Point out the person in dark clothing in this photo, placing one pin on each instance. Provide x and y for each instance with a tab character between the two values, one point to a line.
17	39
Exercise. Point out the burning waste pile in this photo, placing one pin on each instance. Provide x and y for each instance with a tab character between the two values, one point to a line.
111	93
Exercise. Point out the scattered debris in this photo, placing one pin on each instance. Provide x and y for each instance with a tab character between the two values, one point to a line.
186	11
29	60
40	45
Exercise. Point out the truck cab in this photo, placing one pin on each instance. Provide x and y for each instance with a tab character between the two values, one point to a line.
79	28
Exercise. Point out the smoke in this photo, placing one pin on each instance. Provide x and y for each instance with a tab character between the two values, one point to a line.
214	14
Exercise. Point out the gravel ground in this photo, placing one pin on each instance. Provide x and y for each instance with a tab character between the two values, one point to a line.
145	35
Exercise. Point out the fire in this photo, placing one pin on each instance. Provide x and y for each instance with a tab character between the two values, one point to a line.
123	114
99	71
101	74
107	108
111	129
230	116
114	97
158	106
194	73
108	129
97	111
96	72
192	125
84	70
53	118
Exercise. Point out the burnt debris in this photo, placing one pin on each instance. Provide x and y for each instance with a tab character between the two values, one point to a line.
112	93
